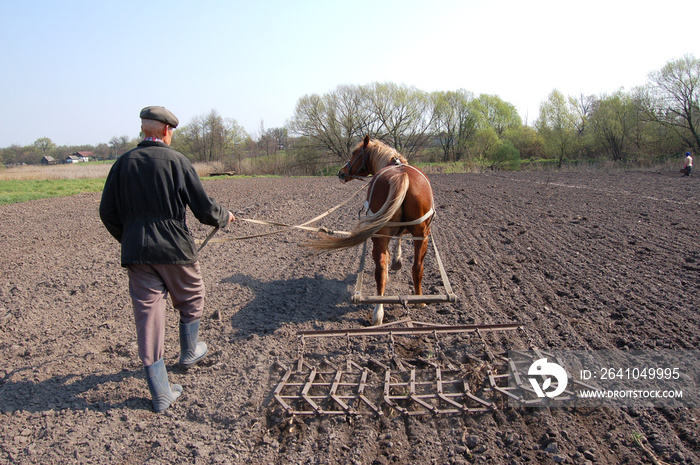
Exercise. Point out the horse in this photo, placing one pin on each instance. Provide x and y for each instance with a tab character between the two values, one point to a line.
399	201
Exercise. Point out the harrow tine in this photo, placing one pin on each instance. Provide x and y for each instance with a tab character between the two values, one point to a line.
307	388
334	389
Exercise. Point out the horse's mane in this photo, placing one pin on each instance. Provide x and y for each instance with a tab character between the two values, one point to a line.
381	153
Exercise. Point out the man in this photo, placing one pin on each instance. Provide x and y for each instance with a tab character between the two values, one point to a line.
688	166
143	206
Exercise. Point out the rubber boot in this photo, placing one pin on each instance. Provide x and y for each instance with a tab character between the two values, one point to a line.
191	351
162	392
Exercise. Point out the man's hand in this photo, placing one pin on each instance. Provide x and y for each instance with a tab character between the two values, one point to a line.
231	217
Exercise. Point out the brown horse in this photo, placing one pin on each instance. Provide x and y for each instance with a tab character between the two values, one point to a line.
399	201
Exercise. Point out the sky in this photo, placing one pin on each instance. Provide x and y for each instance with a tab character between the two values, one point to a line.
79	72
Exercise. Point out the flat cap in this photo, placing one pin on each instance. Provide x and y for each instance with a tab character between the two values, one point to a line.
160	114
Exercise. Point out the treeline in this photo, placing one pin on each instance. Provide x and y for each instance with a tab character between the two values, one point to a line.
44	146
644	125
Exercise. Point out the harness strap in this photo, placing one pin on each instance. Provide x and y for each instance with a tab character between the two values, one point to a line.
420	220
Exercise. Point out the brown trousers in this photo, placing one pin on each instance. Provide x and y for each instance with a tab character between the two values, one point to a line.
149	286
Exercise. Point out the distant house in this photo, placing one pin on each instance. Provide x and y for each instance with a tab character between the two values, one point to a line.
48	160
83	156
79	157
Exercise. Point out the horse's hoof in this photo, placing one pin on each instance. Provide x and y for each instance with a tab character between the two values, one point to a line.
396	266
378	315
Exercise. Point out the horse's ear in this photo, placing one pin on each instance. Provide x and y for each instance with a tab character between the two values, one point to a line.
366	142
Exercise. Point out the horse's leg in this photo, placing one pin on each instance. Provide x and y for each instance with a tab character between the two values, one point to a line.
396	255
380	254
419	249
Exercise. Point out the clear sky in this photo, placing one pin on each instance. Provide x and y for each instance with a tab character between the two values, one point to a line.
79	72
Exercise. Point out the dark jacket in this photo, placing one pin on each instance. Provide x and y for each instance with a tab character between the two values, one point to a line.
144	205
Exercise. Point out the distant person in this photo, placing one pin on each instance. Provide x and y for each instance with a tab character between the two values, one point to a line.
688	166
143	206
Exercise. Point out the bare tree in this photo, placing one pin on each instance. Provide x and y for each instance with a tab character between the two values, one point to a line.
671	98
335	121
404	116
583	108
210	138
272	140
119	145
399	115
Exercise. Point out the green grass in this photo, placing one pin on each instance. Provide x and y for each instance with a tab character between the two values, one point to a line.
443	167
13	191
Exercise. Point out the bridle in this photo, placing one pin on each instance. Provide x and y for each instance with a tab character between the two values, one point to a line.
347	176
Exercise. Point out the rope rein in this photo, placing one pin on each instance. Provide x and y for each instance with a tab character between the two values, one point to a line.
286	227
305	226
364	157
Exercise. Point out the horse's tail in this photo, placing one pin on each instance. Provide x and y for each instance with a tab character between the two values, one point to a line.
367	227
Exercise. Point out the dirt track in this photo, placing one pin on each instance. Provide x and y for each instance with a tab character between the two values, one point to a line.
584	260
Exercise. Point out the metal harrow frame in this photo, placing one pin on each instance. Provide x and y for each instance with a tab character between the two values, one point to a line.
409	387
448	296
416	386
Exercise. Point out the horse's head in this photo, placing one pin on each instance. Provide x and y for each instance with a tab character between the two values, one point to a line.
357	166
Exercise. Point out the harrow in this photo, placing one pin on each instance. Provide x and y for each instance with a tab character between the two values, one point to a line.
390	384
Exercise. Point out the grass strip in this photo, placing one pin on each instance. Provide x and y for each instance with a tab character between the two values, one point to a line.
13	191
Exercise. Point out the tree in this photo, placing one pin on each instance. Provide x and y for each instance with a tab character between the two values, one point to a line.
672	97
613	120
210	138
101	151
307	159
503	155
334	121
403	116
44	145
485	141
12	154
119	145
651	139
272	140
496	113
453	123
557	124
216	137
528	142
583	106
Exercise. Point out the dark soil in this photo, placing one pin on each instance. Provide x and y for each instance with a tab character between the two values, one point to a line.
585	261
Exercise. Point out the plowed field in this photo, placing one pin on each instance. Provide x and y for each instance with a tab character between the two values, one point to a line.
585	261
